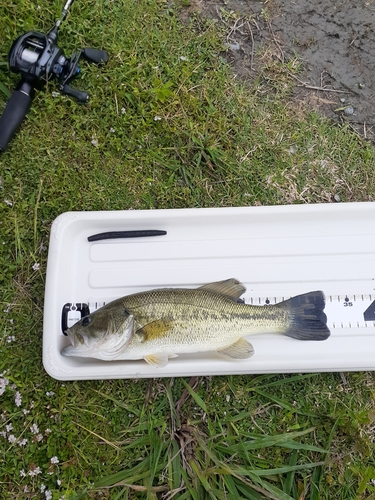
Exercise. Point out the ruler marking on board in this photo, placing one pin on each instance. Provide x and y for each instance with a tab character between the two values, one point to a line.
353	311
343	311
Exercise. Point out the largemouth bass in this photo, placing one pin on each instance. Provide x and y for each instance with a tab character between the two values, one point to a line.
159	324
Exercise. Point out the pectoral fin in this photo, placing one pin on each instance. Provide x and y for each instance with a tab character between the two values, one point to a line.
159	360
154	330
241	349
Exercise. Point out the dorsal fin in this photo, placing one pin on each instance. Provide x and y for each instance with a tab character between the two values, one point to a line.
231	288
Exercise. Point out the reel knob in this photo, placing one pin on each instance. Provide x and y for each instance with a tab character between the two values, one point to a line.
77	94
95	56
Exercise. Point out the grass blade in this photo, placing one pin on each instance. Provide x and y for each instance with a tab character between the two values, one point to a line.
318	472
195	396
5	89
119	403
289	480
283	381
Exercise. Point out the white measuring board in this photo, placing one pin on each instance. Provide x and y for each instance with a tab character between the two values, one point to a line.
277	252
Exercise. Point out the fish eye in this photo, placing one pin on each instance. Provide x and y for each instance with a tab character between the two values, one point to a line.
86	321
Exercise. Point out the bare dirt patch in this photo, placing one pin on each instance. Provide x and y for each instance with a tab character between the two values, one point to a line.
333	39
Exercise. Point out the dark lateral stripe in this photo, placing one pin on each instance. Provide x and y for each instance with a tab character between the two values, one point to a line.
112	235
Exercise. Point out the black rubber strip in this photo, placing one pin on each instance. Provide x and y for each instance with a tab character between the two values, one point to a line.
112	235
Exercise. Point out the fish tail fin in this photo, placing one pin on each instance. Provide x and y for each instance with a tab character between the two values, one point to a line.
307	320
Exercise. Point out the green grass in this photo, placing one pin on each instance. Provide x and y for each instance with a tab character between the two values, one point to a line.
219	142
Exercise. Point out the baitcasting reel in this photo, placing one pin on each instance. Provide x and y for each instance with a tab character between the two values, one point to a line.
38	59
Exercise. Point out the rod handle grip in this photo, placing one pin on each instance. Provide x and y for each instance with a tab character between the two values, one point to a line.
14	113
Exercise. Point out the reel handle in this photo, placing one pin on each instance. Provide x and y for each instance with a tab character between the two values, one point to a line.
95	55
77	94
14	112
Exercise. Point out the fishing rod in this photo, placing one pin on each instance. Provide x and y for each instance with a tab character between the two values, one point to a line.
38	59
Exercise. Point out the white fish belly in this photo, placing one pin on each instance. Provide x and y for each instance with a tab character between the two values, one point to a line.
191	339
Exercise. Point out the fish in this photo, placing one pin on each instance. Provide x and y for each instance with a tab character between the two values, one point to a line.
160	324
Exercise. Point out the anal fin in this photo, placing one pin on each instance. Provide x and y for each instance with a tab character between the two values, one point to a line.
241	349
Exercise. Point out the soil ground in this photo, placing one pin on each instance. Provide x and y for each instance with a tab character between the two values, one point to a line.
333	39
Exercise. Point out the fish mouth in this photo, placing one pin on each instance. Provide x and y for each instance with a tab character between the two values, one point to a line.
71	337
69	351
74	350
